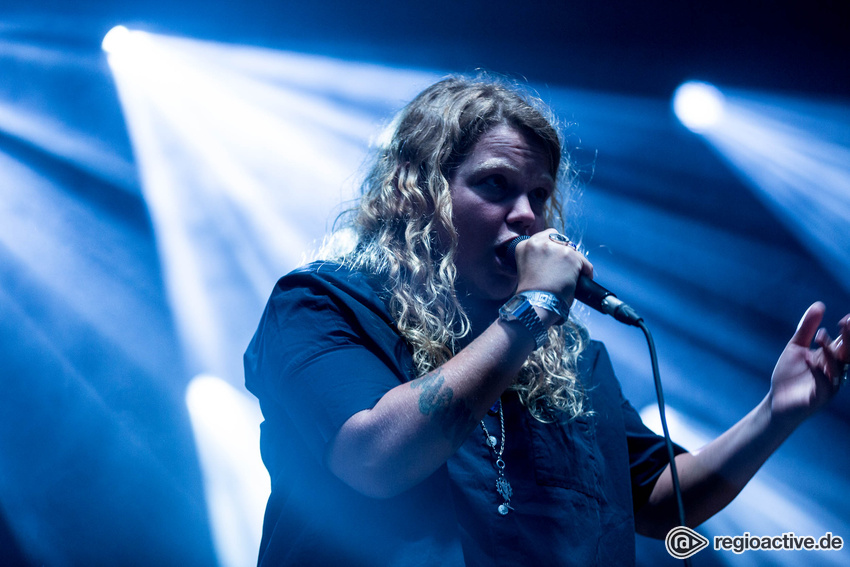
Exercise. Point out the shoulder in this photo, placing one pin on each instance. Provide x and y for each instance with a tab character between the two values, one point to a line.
317	309
324	273
342	285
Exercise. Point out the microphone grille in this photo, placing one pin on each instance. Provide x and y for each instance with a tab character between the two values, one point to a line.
511	255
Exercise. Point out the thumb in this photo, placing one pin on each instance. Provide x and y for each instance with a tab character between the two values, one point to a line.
805	333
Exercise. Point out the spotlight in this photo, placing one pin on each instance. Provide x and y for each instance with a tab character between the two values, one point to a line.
699	106
115	39
226	423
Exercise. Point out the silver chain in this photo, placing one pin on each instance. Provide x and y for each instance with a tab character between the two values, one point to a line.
503	487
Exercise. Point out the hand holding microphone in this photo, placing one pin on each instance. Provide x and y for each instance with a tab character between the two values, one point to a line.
587	291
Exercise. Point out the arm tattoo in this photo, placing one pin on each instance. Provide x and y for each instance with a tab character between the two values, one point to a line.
436	400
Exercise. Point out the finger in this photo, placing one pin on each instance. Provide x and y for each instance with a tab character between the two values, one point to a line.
558	239
828	357
822	338
586	267
822	368
843	340
830	366
838	352
841	348
805	332
837	346
835	351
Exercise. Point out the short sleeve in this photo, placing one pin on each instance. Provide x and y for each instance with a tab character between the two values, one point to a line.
648	455
324	350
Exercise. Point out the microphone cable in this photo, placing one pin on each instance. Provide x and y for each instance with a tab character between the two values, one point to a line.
674	473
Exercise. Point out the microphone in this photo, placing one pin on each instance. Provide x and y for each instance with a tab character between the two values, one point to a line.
591	293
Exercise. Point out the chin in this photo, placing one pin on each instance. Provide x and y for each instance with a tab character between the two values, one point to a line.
492	287
501	291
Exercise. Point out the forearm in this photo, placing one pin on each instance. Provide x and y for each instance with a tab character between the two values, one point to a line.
803	380
417	426
713	476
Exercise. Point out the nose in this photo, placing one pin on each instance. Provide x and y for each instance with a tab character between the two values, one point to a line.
521	216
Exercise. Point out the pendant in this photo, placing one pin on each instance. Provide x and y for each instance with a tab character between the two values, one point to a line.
491	441
503	487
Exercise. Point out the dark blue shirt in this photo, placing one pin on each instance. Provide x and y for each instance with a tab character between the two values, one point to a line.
326	348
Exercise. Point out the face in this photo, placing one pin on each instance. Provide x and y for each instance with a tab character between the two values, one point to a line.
498	193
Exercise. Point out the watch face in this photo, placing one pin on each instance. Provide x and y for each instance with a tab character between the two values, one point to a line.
514	303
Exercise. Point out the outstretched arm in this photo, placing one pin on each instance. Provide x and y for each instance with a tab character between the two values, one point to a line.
803	380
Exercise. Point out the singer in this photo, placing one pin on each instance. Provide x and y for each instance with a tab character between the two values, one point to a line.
429	402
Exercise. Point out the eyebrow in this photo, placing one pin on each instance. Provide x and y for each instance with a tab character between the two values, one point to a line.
499	163
495	163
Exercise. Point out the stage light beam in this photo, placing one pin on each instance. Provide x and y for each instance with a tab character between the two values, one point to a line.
243	153
794	153
226	423
115	39
242	156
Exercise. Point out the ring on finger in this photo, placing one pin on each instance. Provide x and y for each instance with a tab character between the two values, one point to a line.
561	239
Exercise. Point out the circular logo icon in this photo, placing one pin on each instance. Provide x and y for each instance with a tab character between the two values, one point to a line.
684	542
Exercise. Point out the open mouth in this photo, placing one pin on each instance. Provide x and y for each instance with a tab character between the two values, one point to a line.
507	264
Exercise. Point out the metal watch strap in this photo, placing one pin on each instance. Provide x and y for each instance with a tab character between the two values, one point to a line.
519	308
548	301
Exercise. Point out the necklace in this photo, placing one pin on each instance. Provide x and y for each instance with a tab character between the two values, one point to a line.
503	487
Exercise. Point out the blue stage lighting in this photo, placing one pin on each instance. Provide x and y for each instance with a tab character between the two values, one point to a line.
765	501
115	39
226	423
243	154
699	106
794	154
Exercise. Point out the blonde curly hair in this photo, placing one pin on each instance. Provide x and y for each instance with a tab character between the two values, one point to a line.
405	233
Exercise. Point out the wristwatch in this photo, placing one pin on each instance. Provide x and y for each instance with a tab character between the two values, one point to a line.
519	308
548	301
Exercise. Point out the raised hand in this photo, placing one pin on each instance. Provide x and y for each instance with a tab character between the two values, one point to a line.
805	378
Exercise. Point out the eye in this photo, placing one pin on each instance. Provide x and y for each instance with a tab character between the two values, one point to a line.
540	194
495	184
